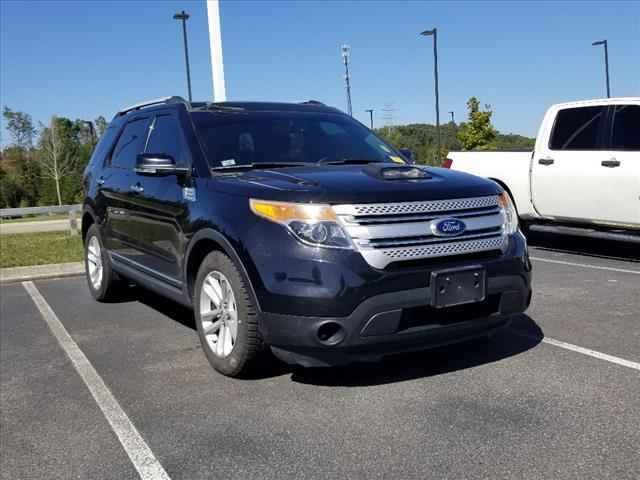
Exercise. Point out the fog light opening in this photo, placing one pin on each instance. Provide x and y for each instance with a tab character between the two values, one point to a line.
330	333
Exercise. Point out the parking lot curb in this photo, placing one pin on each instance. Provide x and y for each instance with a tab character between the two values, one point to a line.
39	272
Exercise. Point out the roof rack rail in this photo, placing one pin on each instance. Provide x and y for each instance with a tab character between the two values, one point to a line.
155	101
311	102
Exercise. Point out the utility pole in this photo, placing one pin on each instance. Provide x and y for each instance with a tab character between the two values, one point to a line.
346	53
606	62
434	33
370	110
453	119
184	16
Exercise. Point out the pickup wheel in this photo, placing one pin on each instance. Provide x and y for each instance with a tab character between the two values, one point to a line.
226	316
102	280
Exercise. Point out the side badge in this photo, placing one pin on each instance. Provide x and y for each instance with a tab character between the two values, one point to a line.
189	194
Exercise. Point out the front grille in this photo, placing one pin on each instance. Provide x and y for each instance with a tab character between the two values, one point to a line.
387	233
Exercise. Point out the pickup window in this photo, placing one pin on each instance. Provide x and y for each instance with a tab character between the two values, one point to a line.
626	128
577	128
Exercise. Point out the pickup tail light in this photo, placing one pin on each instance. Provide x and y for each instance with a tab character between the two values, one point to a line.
447	162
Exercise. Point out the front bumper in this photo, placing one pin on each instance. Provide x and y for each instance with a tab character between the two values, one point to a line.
391	323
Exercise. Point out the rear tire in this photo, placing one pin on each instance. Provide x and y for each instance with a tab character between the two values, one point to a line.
101	279
226	316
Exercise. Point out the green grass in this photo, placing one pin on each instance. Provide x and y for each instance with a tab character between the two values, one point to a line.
23	249
36	218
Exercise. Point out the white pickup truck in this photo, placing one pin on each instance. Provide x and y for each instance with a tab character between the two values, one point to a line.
583	176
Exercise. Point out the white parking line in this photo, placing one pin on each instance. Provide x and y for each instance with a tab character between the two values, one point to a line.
148	467
586	265
585	351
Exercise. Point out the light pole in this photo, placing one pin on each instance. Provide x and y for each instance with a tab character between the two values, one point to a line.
453	119
346	53
370	110
184	16
434	34
606	62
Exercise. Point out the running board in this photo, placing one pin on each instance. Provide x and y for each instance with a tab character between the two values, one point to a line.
587	232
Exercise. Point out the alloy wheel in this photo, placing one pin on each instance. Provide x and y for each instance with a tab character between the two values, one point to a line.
218	314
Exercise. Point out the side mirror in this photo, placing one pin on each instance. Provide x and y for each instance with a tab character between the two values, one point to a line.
408	154
157	164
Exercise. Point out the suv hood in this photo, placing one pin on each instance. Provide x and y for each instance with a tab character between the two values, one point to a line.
351	184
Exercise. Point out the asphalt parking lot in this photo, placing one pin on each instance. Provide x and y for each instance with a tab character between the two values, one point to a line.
557	395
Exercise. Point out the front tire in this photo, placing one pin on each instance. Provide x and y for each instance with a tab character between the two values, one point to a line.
226	316
101	279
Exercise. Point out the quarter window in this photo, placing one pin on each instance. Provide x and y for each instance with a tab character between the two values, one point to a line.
130	144
577	128
625	134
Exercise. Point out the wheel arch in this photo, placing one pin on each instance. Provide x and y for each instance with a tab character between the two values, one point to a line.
88	219
204	242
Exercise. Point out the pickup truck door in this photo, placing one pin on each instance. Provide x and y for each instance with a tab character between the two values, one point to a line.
568	179
623	164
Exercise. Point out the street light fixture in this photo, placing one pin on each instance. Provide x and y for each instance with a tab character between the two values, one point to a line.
370	110
184	16
434	33
346	54
606	62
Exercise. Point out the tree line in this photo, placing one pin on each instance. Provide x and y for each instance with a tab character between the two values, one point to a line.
477	133
43	165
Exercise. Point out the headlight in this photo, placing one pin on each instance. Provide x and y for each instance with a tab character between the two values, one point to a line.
510	225
312	224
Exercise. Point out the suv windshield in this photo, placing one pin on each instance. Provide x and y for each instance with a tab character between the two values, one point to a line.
243	138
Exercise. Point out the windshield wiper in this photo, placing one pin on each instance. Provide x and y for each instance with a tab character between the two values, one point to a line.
254	165
346	161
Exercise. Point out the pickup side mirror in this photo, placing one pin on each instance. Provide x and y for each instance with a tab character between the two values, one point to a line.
408	154
157	164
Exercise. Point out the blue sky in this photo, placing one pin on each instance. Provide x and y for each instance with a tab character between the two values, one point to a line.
82	59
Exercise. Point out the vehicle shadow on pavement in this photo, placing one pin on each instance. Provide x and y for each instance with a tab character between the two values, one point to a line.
591	247
523	334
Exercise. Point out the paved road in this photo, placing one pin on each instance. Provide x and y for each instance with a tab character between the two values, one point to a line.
518	407
31	227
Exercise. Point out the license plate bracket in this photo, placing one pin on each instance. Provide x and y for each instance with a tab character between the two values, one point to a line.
458	286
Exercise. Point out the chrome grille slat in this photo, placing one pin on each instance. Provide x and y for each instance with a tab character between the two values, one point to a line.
415	229
363	220
379	244
393	232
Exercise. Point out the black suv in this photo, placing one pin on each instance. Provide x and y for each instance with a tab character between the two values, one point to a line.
294	227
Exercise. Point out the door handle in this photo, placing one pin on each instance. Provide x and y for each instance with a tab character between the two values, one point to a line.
546	161
137	188
610	163
100	180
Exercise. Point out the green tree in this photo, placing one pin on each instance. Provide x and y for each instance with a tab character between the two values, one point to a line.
25	172
58	155
477	133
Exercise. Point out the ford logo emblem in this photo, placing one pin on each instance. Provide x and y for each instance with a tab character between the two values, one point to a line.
448	227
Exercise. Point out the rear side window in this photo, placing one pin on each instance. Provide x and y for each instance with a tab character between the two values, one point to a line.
130	144
103	147
164	137
625	130
577	128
